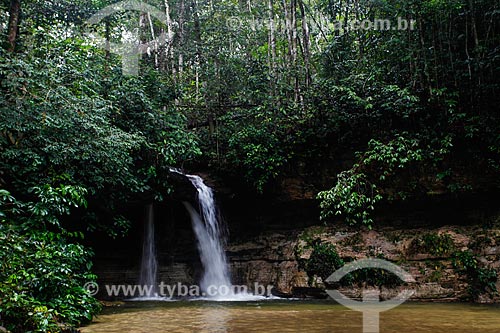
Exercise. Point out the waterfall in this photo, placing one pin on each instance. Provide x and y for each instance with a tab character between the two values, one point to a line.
207	229
211	240
149	265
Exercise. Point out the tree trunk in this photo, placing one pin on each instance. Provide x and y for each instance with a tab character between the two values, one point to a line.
272	47
288	30
293	47
306	43
197	42
153	36
293	23
107	36
180	49
14	11
473	23
170	39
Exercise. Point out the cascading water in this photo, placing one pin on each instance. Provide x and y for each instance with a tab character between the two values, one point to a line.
209	233
210	237
149	265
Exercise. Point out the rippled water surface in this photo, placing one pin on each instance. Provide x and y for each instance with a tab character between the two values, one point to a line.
289	316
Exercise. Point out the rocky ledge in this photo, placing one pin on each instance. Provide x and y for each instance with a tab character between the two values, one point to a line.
429	255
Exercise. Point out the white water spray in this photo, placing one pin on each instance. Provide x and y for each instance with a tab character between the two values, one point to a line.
149	265
207	229
211	240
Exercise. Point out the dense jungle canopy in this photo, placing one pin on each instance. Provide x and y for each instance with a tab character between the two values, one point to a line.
251	91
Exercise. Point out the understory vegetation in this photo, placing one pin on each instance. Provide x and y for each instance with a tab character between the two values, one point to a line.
255	92
481	279
42	269
323	260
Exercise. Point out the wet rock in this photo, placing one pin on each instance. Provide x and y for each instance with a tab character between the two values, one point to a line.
308	292
271	259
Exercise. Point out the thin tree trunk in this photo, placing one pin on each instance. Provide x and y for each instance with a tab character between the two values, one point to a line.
293	47
170	39
14	11
293	23
151	27
306	43
288	29
107	36
197	42
142	32
182	12
424	58
467	49
272	47
359	33
450	53
346	18
473	22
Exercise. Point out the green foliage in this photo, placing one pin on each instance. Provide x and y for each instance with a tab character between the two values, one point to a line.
368	91
420	106
432	243
372	277
42	282
437	271
42	274
75	134
62	112
353	197
396	154
481	279
49	205
257	152
57	201
324	260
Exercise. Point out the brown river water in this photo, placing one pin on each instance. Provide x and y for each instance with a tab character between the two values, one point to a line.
290	316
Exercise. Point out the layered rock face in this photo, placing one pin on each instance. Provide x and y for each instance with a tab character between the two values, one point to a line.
273	259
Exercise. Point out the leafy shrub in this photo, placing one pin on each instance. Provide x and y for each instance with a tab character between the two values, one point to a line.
324	260
353	197
42	274
256	151
42	278
112	134
372	277
432	243
358	189
481	279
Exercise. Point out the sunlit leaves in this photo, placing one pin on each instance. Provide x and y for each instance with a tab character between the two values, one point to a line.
357	190
353	197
